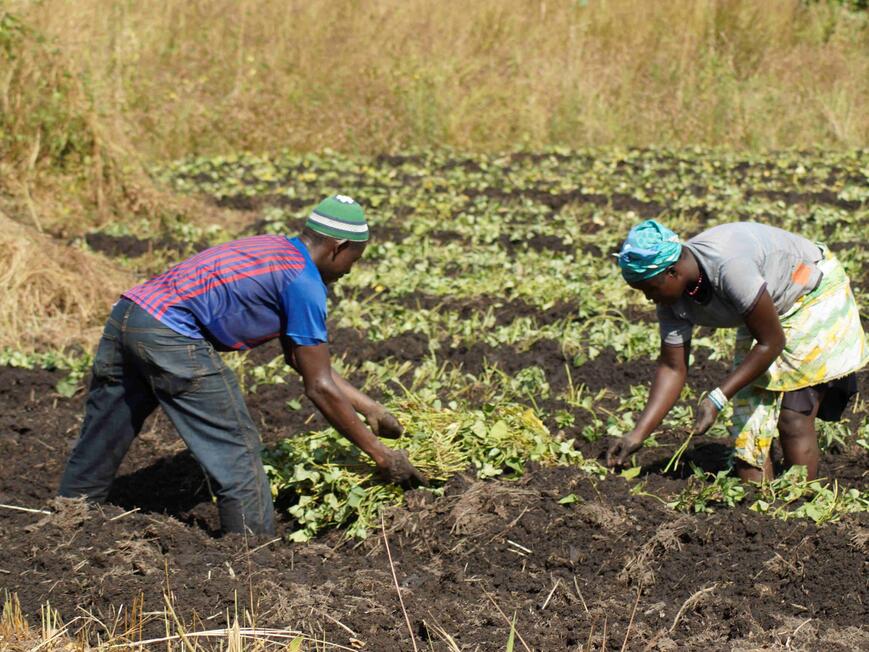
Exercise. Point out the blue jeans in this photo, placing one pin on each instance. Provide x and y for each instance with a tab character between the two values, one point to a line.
140	364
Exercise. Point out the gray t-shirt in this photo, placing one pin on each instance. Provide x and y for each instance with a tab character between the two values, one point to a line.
740	260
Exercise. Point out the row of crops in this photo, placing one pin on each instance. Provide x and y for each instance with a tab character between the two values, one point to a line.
489	283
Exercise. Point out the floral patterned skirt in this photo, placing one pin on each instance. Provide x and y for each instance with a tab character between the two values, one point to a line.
825	343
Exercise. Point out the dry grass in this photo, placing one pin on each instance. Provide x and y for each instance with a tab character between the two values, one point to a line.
88	633
53	296
190	76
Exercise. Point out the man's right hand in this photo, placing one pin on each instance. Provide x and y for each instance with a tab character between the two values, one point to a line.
383	423
623	448
396	468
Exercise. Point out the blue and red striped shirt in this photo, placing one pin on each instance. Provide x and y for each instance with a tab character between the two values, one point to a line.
240	294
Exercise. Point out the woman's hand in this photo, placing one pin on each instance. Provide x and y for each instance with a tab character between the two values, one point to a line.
670	373
623	448
706	415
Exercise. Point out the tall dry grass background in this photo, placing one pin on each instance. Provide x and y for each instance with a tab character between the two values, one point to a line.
181	76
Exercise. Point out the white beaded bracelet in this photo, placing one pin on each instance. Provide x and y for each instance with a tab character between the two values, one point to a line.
719	400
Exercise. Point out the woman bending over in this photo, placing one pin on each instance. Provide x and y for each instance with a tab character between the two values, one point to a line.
799	340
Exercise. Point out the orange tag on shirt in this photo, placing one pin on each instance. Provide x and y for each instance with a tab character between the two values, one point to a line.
802	274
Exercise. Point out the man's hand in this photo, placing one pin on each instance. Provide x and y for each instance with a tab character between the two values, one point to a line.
396	468
383	423
706	415
623	448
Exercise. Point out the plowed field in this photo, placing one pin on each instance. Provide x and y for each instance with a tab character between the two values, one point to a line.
488	283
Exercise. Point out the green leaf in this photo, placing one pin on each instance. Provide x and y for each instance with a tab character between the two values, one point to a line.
515	465
511	640
816	512
499	430
296	644
300	536
355	497
569	499
66	387
632	472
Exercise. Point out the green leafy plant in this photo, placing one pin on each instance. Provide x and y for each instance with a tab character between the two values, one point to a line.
335	485
704	491
75	364
793	496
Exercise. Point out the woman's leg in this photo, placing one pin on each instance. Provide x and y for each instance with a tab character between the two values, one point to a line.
749	473
799	439
755	414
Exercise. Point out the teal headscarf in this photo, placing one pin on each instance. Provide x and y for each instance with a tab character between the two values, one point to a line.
649	249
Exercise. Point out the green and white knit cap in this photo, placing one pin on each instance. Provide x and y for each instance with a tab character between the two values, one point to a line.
339	217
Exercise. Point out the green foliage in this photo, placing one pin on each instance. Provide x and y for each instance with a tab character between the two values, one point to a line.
792	496
251	376
334	483
832	436
788	496
704	491
506	250
76	364
530	383
852	5
496	207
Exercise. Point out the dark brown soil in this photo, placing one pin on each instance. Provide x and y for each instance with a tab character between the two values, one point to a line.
569	572
130	246
557	201
505	311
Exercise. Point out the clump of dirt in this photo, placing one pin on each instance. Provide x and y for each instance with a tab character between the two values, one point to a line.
536	242
354	346
557	201
639	568
245	202
505	311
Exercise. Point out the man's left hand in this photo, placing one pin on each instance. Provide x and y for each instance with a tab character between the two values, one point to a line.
383	423
706	415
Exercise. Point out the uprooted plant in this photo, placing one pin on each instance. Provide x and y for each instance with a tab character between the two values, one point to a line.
334	484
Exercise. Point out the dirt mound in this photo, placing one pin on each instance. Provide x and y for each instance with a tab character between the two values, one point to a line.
116	246
557	201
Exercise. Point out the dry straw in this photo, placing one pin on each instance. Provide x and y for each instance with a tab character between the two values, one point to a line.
53	296
196	75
